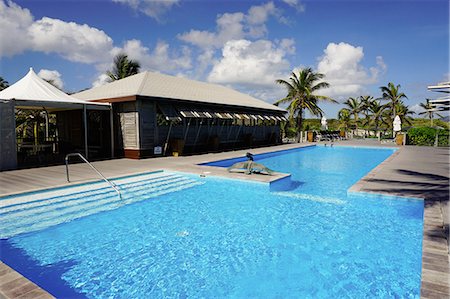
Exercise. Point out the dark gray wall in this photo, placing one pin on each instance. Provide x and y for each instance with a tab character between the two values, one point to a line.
147	124
8	150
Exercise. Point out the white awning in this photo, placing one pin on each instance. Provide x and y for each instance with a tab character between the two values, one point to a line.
441	104
32	91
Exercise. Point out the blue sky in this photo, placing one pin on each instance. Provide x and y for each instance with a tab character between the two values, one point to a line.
246	45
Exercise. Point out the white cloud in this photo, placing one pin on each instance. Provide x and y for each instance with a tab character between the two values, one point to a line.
244	62
234	26
258	15
101	80
53	76
74	42
155	9
341	64
229	26
14	22
295	4
82	43
161	58
288	44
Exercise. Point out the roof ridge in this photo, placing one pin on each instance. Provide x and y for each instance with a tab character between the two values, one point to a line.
144	80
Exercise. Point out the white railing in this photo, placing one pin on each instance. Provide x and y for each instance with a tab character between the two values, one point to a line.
114	186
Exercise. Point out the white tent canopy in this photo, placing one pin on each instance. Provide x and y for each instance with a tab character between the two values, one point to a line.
33	91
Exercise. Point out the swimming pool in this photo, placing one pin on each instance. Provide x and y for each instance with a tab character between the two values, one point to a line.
214	237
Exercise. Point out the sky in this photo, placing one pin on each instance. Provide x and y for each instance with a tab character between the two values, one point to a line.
246	45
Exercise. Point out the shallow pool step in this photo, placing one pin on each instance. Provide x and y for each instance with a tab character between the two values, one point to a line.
32	215
11	203
70	198
87	199
66	202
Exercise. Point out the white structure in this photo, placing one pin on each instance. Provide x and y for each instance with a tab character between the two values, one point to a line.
397	124
32	92
323	122
441	103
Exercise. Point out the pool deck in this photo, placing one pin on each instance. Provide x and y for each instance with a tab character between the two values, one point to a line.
421	172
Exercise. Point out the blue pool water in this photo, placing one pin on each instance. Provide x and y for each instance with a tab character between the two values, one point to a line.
225	238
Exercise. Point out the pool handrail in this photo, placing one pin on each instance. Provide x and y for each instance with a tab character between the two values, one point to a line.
114	186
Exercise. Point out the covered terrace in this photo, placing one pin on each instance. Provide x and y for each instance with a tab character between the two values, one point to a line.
40	124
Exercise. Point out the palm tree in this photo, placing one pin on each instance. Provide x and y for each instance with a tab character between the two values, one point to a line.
302	95
393	96
403	112
354	106
123	67
344	118
429	111
366	102
3	83
376	117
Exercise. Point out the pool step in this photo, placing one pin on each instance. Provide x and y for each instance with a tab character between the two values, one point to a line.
76	190
36	214
60	199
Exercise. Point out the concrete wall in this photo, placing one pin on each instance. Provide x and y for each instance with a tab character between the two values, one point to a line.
8	150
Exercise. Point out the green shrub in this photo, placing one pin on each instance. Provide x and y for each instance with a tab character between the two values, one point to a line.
291	132
427	136
443	136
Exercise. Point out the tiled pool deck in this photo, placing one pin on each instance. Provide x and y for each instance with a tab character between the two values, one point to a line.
411	171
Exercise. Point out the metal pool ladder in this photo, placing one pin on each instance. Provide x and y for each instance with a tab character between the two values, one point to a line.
114	186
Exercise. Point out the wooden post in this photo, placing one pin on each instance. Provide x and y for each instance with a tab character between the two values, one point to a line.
86	149
111	123
167	139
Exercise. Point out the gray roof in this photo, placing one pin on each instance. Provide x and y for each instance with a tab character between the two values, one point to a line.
151	84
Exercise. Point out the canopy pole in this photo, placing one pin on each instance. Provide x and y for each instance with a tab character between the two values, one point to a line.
230	130
198	133
167	139
254	127
221	127
111	124
237	134
46	123
210	127
86	150
187	130
210	124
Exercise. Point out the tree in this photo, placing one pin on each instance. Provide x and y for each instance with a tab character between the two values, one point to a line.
123	67
344	118
376	117
354	107
428	111
392	94
403	112
3	83
366	102
302	95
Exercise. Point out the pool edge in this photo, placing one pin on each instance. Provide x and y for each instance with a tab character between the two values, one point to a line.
435	270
